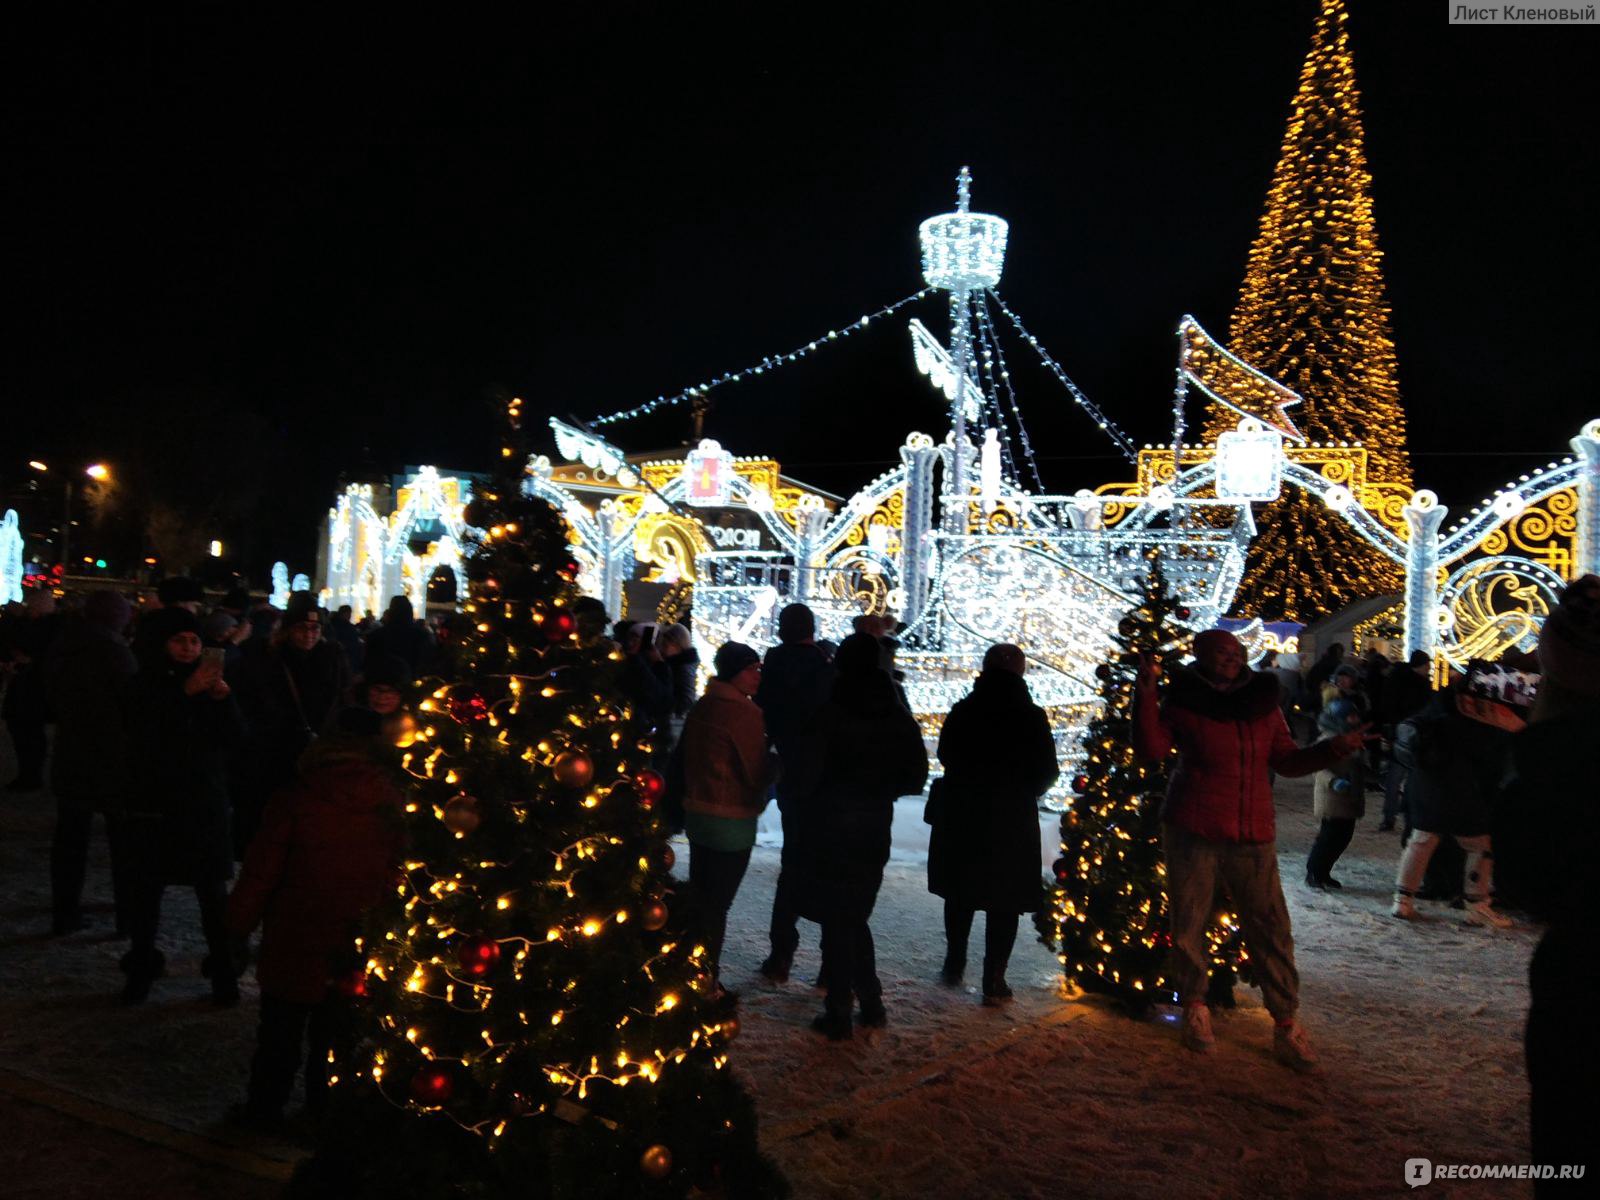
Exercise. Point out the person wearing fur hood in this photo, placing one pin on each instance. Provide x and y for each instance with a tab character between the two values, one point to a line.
1224	723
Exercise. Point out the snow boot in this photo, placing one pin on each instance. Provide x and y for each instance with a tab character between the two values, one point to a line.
996	992
1292	1048
1195	1033
873	1014
954	969
776	967
835	1025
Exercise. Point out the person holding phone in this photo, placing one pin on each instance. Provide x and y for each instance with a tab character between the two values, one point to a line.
182	721
1219	825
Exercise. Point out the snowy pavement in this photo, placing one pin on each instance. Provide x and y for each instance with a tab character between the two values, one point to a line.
1419	1027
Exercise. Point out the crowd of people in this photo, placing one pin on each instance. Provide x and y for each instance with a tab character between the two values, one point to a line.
245	735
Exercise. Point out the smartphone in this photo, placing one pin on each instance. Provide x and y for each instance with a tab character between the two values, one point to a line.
213	658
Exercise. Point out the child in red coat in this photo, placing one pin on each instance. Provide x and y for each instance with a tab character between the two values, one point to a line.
326	849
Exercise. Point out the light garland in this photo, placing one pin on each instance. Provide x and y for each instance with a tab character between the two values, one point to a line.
768	363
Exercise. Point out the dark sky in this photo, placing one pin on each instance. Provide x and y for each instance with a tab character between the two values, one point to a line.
326	242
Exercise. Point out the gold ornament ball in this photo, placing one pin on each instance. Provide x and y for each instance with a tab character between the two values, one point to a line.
656	1162
574	769
461	814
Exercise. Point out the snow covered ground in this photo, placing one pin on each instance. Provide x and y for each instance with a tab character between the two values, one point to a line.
1419	1027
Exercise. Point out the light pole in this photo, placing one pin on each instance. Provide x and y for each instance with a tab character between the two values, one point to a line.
98	472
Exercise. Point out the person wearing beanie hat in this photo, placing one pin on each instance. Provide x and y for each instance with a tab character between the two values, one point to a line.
1406	692
796	680
868	753
726	773
182	722
1547	842
1339	796
1219	825
86	680
999	757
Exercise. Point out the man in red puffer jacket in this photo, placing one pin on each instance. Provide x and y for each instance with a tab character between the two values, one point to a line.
326	849
1224	722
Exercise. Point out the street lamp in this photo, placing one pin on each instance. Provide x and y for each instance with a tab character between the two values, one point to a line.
98	472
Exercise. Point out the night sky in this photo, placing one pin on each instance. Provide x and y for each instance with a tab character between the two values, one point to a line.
272	250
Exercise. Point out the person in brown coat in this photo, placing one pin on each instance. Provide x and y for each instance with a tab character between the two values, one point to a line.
325	851
726	775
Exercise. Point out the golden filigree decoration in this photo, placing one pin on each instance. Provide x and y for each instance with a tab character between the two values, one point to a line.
1545	532
668	544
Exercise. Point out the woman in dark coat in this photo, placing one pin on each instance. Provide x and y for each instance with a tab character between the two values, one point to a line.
182	722
291	689
999	757
871	753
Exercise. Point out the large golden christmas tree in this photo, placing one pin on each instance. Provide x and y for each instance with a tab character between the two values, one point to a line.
1312	313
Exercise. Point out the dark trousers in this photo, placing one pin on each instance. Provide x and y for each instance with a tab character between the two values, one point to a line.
999	936
715	876
287	1029
784	930
143	919
30	743
1563	1055
69	863
1333	839
1394	792
849	965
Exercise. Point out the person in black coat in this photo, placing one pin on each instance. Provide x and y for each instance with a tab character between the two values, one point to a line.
182	721
999	756
1406	692
290	691
869	753
1547	841
403	636
29	633
796	681
86	679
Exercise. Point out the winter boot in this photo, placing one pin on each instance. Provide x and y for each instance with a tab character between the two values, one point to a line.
955	967
1403	907
1195	1033
873	1014
1292	1048
996	992
776	967
835	1025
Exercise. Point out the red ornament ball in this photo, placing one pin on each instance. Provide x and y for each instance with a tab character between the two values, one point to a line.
1062	868
1080	784
653	916
573	769
433	1085
461	814
1183	612
478	956
1103	671
352	984
561	625
570	568
656	1162
666	859
652	786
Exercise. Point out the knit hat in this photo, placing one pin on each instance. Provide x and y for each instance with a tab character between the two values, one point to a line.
1005	657
733	657
1215	638
110	609
1569	645
859	654
386	670
796	623
302	607
1347	669
166	623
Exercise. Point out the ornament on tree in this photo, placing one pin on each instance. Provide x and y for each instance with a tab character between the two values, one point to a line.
352	985
654	916
1080	784
656	1162
666	858
433	1085
652	786
573	769
560	625
461	814
478	956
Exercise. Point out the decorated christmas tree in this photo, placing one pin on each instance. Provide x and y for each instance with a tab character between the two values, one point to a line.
1107	916
534	1006
1312	314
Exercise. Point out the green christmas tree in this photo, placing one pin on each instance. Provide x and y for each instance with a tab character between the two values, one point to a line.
535	1006
1107	917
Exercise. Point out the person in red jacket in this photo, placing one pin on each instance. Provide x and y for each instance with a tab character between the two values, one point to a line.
1224	722
326	849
